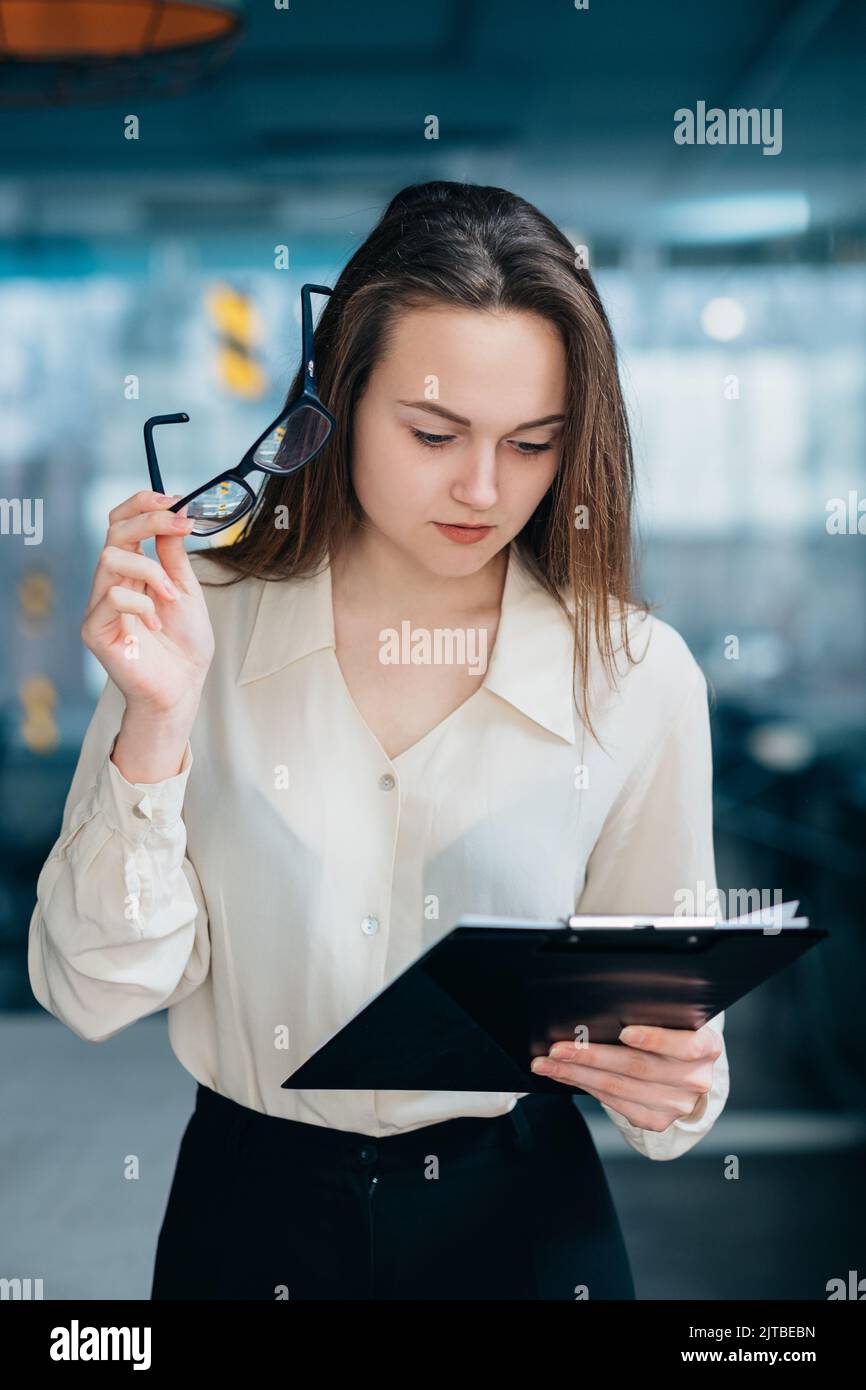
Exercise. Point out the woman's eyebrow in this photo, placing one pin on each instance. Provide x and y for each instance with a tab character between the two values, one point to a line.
461	419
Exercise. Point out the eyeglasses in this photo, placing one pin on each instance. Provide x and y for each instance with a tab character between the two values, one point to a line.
289	443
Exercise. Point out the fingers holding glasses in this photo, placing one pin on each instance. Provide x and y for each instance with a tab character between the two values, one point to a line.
120	601
138	502
146	619
116	563
143	515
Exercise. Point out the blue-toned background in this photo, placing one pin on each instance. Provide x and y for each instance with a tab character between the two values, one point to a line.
138	277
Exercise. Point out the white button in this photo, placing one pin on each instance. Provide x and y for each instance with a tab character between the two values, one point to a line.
370	926
386	782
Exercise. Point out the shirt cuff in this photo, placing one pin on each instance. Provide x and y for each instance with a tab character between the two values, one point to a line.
684	1133
680	1136
134	808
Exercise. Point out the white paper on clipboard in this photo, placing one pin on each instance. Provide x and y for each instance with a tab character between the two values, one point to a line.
773	915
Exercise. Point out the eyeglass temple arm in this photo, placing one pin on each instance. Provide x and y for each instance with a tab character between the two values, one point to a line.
307	327
152	465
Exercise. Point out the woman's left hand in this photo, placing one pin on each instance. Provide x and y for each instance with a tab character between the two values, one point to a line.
659	1075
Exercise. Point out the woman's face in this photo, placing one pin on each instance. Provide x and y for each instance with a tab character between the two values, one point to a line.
447	433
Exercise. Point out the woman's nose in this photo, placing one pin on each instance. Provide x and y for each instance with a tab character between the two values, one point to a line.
476	485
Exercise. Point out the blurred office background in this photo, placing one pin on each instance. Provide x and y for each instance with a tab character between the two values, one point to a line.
139	276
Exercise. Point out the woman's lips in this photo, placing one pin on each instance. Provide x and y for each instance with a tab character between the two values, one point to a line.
463	535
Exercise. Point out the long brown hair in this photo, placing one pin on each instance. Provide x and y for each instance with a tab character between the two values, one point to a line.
482	248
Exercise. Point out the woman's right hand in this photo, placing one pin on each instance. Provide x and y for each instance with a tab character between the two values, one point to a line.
157	648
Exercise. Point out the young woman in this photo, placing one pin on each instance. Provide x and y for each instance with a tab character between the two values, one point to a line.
346	803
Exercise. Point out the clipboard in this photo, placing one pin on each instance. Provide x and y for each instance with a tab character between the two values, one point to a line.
472	1012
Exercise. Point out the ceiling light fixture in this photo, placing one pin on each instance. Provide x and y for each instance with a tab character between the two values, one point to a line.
55	52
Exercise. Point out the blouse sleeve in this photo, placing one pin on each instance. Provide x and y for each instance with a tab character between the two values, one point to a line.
120	927
656	843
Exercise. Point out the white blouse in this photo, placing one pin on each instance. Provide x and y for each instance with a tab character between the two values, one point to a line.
291	868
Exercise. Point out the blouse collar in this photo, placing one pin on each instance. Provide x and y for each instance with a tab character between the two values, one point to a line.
530	666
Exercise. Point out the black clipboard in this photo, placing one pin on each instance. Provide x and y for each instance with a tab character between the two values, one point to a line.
493	993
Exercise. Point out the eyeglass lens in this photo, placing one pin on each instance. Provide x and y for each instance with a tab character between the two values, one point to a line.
293	440
218	506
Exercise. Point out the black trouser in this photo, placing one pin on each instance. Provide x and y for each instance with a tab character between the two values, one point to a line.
515	1207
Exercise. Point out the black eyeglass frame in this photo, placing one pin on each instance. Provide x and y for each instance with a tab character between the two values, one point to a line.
307	399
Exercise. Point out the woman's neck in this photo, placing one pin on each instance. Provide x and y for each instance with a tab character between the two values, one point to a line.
373	576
